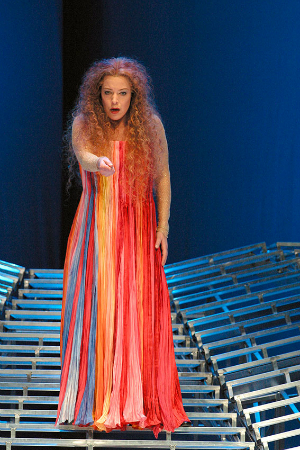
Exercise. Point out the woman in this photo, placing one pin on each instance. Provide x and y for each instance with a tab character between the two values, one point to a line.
118	364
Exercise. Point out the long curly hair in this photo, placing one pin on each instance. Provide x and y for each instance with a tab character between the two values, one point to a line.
142	116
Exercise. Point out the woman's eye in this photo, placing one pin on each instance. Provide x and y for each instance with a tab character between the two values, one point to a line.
123	93
106	92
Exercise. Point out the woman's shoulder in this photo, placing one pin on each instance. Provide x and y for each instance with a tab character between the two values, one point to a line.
157	120
80	126
79	122
80	131
160	130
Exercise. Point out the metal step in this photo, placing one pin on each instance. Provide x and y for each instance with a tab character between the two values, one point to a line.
54	362
290	403
36	304
46	273
256	277
12	269
40	327
224	298
40	293
265	365
23	373
38	283
13	325
257	352
21	314
40	428
265	381
231	330
54	337
240	266
19	414
19	401
217	258
245	340
105	443
186	352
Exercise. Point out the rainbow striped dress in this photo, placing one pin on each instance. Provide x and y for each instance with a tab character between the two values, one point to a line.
117	353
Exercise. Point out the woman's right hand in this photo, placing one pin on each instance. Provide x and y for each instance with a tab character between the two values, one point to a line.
105	166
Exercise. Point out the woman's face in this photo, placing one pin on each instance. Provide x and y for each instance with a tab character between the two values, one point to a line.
116	96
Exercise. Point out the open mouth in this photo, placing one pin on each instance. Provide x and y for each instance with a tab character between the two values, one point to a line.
115	110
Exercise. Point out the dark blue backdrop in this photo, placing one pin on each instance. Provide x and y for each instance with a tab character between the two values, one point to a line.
246	186
30	132
226	77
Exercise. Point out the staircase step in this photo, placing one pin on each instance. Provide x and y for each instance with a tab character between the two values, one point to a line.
138	444
23	400
40	293
39	283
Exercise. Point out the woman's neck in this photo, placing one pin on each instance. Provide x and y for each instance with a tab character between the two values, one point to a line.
119	130
119	134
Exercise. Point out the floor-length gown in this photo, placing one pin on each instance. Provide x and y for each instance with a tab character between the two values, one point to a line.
118	363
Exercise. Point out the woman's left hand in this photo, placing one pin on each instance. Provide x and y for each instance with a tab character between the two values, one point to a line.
162	242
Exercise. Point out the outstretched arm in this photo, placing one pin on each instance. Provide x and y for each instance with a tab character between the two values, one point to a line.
162	187
83	151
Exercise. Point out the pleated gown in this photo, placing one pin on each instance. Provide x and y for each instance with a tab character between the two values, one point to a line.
117	354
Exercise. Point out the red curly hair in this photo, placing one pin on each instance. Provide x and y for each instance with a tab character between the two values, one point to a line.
141	118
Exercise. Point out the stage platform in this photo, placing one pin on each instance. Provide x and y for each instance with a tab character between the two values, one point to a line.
236	327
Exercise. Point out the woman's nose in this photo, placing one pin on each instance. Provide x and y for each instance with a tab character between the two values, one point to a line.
115	99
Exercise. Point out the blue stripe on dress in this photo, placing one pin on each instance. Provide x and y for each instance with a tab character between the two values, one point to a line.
85	415
68	407
73	273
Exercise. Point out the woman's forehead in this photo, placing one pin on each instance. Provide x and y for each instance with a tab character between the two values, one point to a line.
116	82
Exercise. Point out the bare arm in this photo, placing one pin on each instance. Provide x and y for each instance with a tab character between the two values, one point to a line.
162	187
83	151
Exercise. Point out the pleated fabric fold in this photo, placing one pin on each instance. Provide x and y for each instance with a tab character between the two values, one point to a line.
117	353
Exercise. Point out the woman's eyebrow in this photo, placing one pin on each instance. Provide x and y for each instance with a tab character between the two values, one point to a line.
111	89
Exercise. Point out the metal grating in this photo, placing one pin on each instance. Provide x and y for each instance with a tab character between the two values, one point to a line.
30	372
244	316
11	276
236	326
